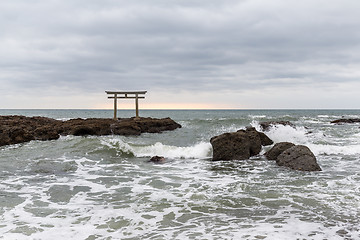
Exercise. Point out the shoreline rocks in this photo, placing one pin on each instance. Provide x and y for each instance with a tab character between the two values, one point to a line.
297	157
277	149
238	145
243	144
19	129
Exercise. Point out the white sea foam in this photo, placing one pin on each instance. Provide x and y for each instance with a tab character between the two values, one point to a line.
184	198
291	228
257	116
63	119
288	134
118	144
107	195
334	149
280	133
315	140
198	151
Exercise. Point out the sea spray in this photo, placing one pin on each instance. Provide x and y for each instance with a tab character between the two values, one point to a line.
104	187
200	150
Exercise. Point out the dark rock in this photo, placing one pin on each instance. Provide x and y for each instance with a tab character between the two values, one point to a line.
254	140
230	146
298	157
125	128
45	133
152	125
84	130
277	149
265	126
90	126
265	140
346	120
19	129
18	134
238	145
157	159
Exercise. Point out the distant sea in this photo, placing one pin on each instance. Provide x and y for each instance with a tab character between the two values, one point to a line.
104	187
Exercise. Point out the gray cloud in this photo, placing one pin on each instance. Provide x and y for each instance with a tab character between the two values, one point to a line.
89	46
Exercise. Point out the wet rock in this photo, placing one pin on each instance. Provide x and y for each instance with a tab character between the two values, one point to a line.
125	128
83	127
346	120
298	157
157	159
45	133
254	140
230	146
277	149
152	125
84	130
265	140
265	126
19	129
238	145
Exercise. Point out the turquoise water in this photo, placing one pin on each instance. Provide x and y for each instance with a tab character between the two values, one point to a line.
104	188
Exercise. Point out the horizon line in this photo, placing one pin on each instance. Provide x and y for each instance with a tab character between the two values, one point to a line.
173	109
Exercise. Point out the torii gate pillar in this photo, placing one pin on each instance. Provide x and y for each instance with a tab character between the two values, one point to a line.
126	94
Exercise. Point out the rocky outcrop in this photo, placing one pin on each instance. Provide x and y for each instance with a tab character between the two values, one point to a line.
346	120
298	157
19	129
265	140
157	159
265	126
238	145
277	149
243	144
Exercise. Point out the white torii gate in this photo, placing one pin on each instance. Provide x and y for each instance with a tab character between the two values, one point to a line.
126	94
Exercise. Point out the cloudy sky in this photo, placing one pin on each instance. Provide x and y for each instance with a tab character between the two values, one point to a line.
185	53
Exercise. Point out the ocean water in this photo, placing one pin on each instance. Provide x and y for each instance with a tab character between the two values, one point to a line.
105	188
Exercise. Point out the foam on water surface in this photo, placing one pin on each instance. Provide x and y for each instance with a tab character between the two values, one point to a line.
140	199
105	188
198	151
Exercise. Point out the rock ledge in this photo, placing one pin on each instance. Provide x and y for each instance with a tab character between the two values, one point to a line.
19	129
238	145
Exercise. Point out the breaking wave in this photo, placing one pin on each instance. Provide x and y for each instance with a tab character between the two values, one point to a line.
200	150
318	141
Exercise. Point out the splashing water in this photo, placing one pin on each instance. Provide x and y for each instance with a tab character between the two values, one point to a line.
105	188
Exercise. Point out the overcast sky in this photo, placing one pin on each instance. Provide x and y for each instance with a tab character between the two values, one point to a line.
185	53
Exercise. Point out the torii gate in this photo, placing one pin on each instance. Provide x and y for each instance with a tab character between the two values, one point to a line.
126	94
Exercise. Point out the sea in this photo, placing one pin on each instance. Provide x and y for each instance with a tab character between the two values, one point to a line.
104	187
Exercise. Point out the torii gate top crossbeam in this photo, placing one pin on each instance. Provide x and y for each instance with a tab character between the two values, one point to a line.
126	94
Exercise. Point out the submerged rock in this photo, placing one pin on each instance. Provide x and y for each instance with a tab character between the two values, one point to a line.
346	120
238	145
265	126
277	149
157	159
298	157
19	129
